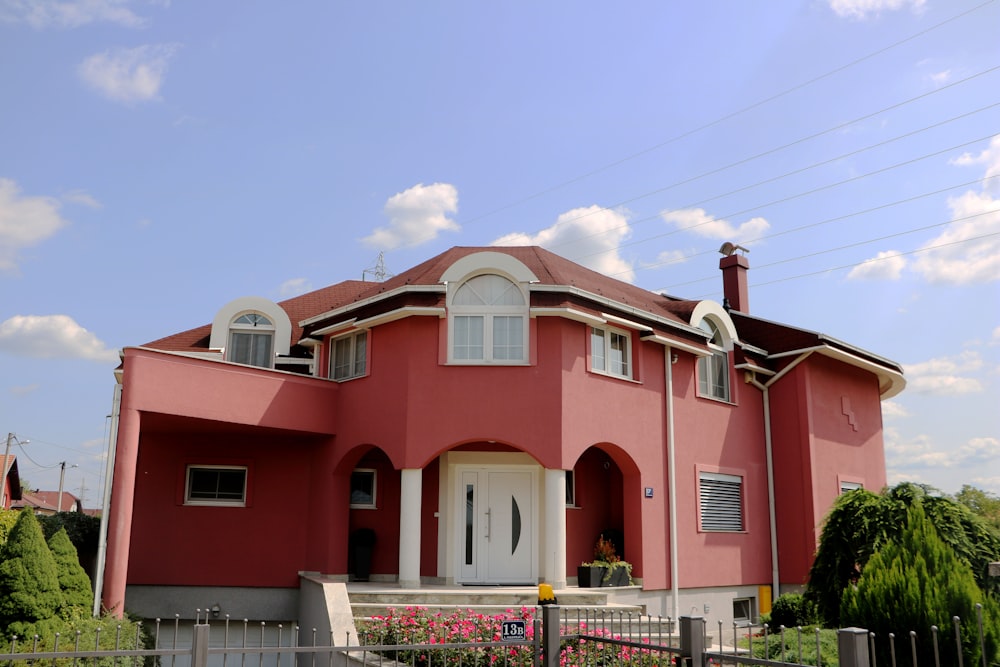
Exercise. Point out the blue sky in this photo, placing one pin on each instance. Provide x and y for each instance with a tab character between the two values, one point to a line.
159	159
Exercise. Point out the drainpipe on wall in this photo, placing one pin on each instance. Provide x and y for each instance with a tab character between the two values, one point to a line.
765	387
671	477
102	540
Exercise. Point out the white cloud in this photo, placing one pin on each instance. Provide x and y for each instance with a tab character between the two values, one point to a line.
995	338
945	375
24	390
294	287
698	221
416	215
41	14
128	75
968	251
940	78
595	234
863	9
52	337
24	222
990	157
81	197
887	265
892	409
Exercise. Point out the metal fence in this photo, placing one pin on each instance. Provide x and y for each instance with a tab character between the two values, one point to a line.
550	637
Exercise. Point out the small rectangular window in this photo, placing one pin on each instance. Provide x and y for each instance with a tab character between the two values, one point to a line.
720	502
743	610
348	356
713	376
216	485
363	488
850	486
570	489
610	352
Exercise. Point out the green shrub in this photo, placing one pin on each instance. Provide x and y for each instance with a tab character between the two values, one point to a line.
114	634
29	584
915	581
773	648
792	610
78	599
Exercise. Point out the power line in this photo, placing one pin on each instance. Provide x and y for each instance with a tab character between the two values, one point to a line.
731	115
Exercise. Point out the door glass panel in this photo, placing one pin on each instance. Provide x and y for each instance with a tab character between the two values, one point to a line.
515	524
468	522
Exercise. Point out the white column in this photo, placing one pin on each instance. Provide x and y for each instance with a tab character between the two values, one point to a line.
410	483
554	540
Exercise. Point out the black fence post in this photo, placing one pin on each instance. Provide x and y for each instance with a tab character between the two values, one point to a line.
692	635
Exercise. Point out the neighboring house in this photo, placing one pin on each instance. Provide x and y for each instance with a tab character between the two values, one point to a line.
487	415
11	487
48	502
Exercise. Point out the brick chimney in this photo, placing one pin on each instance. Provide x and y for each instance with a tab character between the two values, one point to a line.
734	282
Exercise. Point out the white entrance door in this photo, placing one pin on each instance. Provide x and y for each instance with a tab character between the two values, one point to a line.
495	526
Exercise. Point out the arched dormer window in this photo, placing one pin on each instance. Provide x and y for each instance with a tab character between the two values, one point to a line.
251	330
713	369
488	321
251	339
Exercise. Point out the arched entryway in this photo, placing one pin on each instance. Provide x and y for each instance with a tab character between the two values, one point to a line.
595	506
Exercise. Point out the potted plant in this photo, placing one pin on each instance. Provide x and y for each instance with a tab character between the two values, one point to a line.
607	568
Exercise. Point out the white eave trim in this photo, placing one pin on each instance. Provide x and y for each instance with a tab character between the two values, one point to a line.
569	314
346	324
890	382
398	314
611	303
676	345
373	299
754	368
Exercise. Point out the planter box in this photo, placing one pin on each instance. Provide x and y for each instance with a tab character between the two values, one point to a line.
593	576
590	576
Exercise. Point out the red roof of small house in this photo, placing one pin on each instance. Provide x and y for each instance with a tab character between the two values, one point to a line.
48	501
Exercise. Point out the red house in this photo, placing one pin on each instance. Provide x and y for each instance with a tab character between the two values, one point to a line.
483	418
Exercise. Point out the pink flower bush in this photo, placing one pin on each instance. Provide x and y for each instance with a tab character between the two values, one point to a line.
419	626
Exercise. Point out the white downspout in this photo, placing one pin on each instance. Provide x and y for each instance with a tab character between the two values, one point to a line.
102	540
671	478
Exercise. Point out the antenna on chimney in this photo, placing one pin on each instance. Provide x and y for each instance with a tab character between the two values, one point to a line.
728	248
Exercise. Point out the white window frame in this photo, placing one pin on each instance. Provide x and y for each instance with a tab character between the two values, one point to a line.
750	604
374	492
847	486
356	367
715	366
571	489
224	502
721	502
263	329
601	359
489	316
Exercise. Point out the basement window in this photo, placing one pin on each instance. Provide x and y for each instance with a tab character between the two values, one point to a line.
216	485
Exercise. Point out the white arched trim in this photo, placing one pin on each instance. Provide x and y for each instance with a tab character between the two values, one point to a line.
488	262
718	315
252	304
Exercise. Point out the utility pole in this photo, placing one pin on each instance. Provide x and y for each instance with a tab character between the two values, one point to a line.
62	475
3	481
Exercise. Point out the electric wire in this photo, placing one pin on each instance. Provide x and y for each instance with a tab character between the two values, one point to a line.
732	114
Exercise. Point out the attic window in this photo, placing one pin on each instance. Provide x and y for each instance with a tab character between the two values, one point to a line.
713	370
251	339
488	322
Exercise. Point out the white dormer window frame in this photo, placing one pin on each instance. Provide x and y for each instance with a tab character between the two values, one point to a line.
247	316
713	369
251	340
488	321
